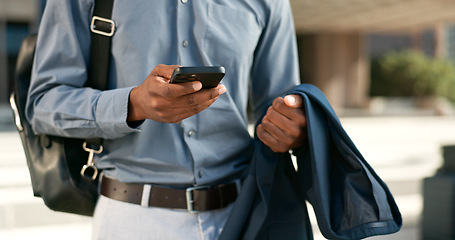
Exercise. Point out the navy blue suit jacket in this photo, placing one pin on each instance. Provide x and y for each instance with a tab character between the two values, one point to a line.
350	201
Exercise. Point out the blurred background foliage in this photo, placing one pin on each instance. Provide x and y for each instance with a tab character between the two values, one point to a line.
411	73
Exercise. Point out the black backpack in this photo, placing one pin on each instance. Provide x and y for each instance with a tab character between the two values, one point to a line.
60	172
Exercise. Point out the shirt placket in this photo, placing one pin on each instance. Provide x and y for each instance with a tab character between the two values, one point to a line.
189	125
184	27
191	135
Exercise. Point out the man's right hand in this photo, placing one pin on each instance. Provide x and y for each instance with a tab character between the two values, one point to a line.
161	101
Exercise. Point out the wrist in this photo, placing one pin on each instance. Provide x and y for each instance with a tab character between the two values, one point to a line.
134	113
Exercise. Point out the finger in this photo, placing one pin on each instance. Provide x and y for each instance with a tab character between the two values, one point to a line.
199	97
269	140
164	71
279	141
180	113
294	101
173	90
290	132
158	85
265	136
296	115
282	136
186	106
286	125
280	106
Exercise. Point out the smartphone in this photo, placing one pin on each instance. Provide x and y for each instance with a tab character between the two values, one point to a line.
209	76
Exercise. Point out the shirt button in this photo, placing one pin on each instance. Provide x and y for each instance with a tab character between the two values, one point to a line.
200	173
191	133
184	1
185	43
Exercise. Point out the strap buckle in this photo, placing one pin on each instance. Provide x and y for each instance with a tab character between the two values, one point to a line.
105	26
190	198
90	164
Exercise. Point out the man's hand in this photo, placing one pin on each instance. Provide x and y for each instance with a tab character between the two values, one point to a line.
283	126
161	101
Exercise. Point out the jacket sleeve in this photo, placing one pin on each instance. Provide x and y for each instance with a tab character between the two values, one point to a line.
349	199
58	103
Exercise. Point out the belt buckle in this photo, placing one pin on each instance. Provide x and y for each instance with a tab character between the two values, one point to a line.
190	199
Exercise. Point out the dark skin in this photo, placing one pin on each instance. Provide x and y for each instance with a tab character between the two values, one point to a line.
282	128
160	101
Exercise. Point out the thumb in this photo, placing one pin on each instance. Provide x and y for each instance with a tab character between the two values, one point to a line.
293	101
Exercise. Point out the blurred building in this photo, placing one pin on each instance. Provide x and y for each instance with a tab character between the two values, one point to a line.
336	39
17	19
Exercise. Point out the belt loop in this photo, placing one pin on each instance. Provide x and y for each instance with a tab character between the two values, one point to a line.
146	195
101	177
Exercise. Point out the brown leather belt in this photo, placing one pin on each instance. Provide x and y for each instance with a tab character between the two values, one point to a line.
194	199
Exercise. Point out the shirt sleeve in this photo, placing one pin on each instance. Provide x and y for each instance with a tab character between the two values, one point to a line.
275	69
58	103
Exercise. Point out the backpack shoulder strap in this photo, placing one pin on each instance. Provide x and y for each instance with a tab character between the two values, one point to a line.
102	28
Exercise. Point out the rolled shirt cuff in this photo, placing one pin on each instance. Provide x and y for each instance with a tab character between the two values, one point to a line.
111	113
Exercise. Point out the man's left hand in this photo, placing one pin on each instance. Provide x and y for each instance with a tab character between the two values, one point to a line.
283	126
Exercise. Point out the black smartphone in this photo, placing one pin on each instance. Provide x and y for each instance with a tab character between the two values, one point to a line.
209	76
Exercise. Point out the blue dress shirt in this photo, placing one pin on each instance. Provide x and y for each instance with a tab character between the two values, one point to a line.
253	39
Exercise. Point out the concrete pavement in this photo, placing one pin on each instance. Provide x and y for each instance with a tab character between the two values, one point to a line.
403	150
